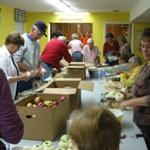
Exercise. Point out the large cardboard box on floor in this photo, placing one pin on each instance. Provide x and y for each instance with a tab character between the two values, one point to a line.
76	72
43	123
71	87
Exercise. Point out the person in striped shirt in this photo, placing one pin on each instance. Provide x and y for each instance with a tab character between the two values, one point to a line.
91	53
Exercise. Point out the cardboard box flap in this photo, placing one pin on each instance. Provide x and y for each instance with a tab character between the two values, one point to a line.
76	67
84	85
64	91
77	63
68	79
41	88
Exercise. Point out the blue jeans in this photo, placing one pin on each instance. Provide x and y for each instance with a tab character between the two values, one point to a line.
48	69
77	56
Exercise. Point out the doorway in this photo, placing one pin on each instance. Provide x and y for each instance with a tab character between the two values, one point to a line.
68	28
120	29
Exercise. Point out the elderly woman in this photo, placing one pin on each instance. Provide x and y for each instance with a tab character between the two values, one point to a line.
129	78
12	43
76	48
94	128
141	91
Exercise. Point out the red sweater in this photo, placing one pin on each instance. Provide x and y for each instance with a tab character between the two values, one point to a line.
114	47
53	53
11	126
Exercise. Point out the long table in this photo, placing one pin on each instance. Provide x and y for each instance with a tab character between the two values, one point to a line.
128	127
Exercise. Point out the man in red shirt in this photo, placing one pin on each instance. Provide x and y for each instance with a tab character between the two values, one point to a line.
54	51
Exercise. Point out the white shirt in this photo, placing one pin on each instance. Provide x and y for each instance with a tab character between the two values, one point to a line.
28	54
76	45
8	67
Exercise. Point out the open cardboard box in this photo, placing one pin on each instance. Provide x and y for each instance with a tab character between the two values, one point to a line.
43	123
71	87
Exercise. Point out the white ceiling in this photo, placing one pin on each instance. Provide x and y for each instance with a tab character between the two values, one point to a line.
80	5
84	5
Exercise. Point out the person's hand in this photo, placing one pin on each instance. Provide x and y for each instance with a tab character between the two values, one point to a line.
26	76
37	73
54	71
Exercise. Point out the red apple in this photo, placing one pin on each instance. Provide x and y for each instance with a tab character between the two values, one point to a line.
55	102
29	104
37	99
41	104
62	98
54	106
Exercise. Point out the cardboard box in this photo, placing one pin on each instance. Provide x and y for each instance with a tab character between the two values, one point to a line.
77	64
43	123
76	72
71	87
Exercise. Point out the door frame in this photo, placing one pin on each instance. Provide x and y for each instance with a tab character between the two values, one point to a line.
122	22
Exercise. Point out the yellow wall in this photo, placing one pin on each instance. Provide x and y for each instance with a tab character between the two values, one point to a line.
138	27
7	22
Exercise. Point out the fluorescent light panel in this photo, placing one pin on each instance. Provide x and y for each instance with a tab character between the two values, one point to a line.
60	5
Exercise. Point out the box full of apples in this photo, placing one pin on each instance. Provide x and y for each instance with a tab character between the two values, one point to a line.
44	115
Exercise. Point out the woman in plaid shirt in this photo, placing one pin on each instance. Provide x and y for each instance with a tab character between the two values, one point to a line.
141	91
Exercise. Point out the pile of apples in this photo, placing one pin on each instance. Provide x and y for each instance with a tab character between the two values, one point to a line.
39	102
64	144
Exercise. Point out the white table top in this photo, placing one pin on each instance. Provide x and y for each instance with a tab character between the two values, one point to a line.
128	126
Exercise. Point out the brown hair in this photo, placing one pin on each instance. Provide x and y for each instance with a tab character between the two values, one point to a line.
14	38
94	128
146	34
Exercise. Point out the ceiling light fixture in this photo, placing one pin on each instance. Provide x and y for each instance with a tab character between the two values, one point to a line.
61	5
73	13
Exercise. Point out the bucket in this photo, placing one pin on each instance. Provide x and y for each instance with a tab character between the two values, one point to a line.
93	72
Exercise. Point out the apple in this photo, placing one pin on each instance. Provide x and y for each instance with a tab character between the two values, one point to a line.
37	147
48	147
64	145
64	138
26	148
54	106
37	99
48	103
62	98
29	104
41	104
119	97
47	143
34	105
55	102
60	148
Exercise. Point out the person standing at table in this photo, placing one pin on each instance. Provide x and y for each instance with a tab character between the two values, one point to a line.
110	48
91	53
76	48
141	91
27	58
12	43
53	52
11	126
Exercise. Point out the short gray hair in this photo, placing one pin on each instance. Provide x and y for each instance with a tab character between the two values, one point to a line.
136	60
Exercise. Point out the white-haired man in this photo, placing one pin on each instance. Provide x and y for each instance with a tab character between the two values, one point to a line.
91	53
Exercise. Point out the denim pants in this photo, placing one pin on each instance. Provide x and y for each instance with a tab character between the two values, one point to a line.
77	56
48	69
